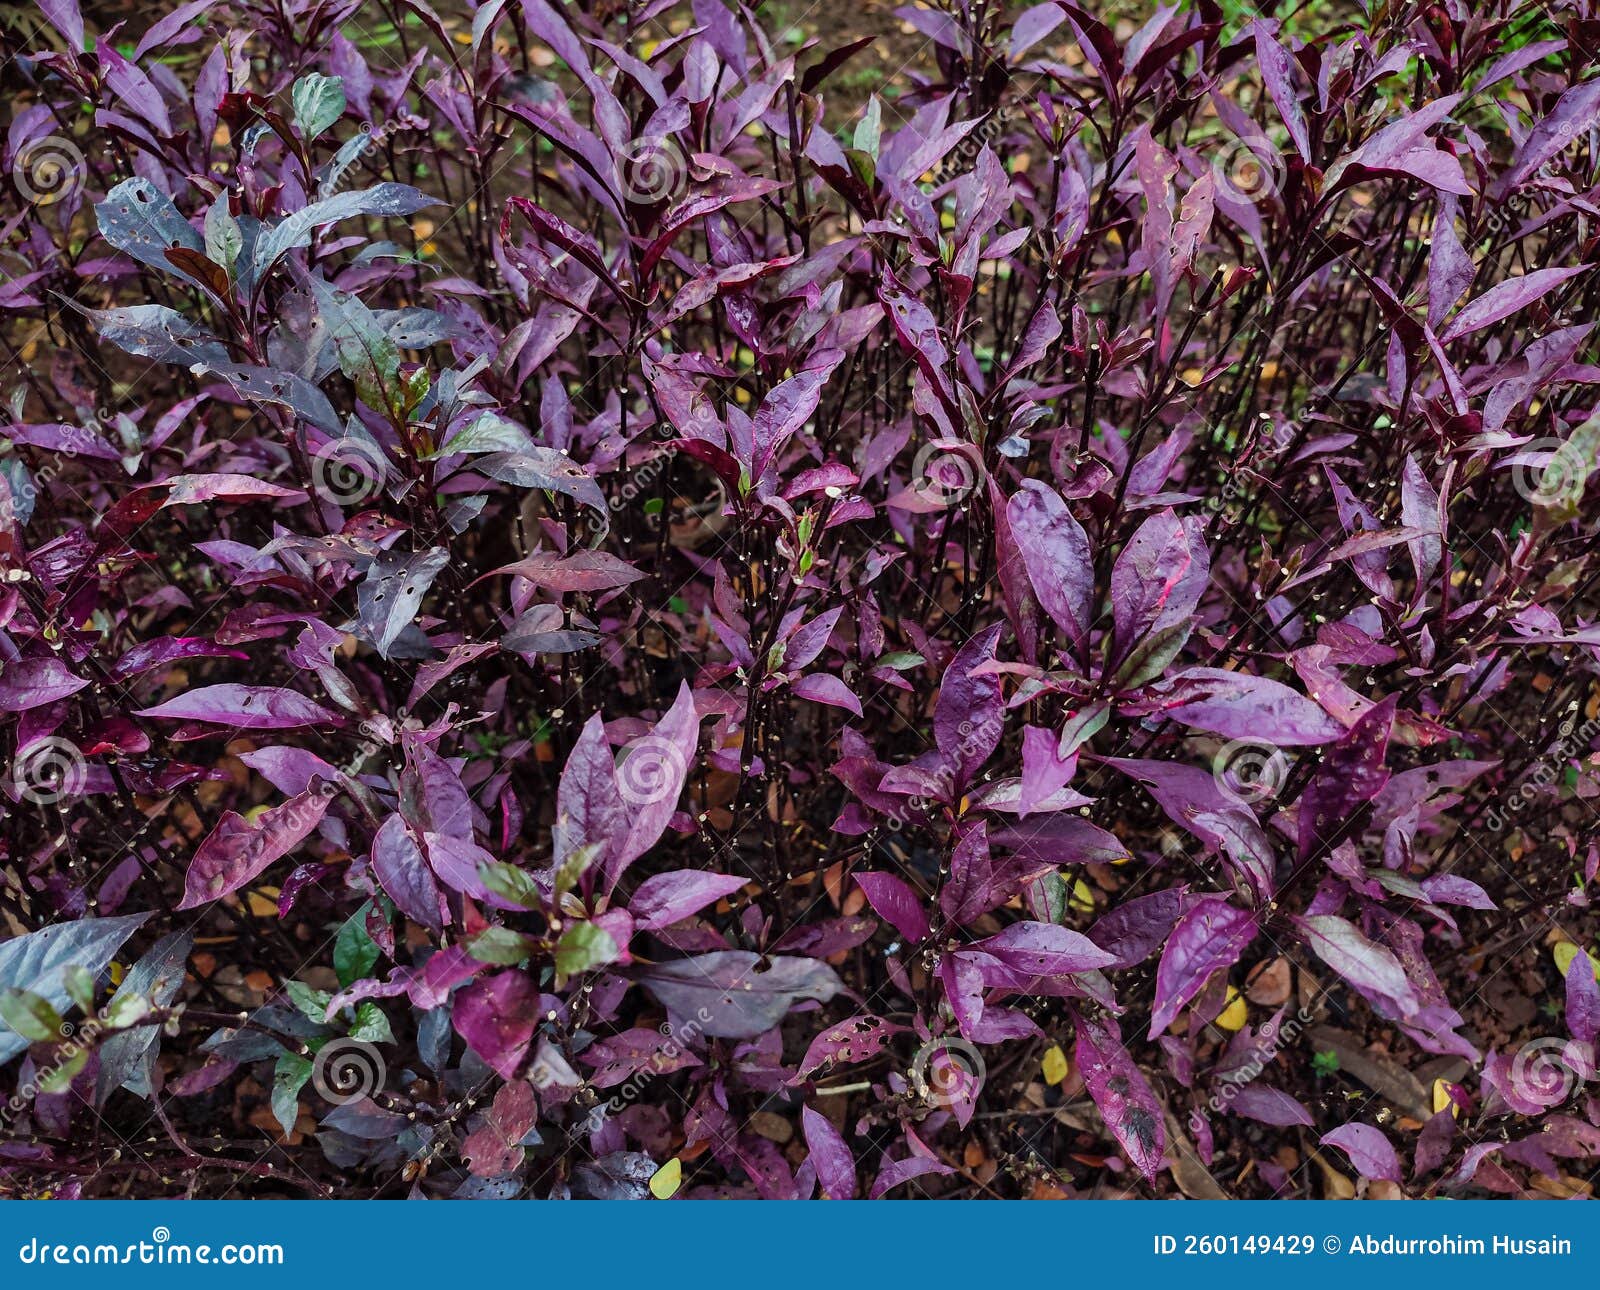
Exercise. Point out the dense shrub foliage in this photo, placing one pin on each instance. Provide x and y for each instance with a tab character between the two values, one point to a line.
610	599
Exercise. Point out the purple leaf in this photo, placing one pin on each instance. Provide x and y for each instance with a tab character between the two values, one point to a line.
244	707
1583	999
1157	580
823	687
894	900
1211	935
589	809
1506	299
1055	551
31	683
1044	771
1369	967
1130	1107
403	873
1268	1105
237	851
830	1156
1237	705
1369	1151
969	714
1277	71
1044	949
1134	929
668	898
650	779
497	1016
1351	773
738	994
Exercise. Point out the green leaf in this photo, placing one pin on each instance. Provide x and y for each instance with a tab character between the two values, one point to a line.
289	1076
80	986
366	354
32	1017
501	946
371	1024
355	953
224	240
583	946
574	867
511	883
489	432
313	1003
318	102
58	1079
1151	656
1050	898
869	128
125	1010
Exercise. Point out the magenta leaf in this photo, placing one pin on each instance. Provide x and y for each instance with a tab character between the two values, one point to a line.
895	900
237	851
830	1156
1125	1098
1369	1151
667	898
1055	551
497	1016
1210	936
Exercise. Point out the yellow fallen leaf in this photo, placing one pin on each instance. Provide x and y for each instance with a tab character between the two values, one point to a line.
1082	899
1235	1014
666	1180
1055	1065
1442	1098
255	813
1565	951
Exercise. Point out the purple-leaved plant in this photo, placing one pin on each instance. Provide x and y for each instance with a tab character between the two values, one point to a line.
588	609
